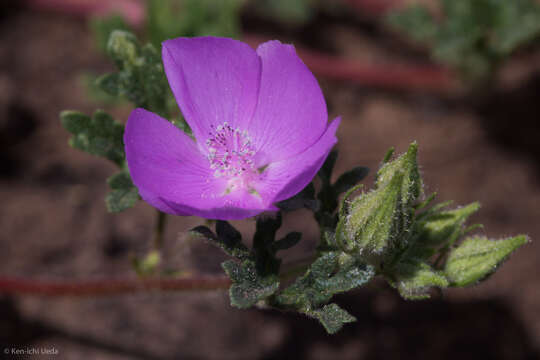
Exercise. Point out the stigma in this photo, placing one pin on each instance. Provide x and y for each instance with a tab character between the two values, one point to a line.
230	153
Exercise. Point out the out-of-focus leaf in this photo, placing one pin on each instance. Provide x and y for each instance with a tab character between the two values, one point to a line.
123	193
98	135
141	78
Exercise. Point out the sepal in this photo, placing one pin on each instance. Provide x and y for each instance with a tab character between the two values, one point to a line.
478	257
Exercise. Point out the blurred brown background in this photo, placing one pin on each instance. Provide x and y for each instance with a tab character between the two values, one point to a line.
54	223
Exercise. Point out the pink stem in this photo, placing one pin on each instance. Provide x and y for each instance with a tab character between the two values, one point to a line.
22	286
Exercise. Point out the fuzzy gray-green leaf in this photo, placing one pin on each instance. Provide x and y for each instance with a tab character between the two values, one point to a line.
248	287
414	277
123	193
439	228
332	317
140	77
478	257
98	135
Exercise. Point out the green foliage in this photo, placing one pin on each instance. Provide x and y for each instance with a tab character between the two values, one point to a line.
94	93
324	202
327	197
477	257
391	230
101	135
141	78
254	274
436	228
474	36
414	277
248	285
98	135
103	27
332	317
332	273
167	19
295	12
123	195
374	223
433	232
227	238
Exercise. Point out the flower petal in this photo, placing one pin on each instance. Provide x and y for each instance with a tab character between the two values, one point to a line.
288	177
291	112
175	177
237	206
214	80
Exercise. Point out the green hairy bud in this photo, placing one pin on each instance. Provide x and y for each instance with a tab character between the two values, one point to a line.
374	223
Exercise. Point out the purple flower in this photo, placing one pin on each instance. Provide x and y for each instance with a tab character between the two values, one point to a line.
260	123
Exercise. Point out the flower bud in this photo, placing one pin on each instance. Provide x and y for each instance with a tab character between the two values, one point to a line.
377	222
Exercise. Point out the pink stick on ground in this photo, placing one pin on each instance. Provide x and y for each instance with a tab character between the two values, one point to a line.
103	287
390	76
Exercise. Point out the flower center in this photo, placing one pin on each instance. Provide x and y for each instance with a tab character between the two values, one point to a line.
230	152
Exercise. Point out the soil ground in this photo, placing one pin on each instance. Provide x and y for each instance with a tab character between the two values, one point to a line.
54	224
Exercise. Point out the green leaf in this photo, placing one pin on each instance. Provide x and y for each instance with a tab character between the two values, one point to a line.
294	12
516	23
141	78
248	285
473	36
123	195
96	94
99	135
414	277
478	257
330	274
167	19
332	317
415	21
228	239
439	228
102	27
